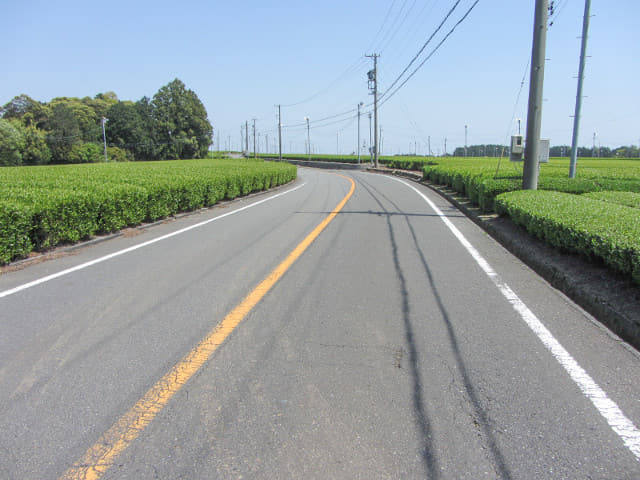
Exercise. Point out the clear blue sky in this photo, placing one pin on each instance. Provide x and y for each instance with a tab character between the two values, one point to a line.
243	58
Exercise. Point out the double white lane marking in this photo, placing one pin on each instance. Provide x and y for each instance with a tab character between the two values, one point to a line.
90	263
618	421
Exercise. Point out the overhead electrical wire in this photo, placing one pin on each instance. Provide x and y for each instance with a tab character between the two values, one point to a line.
455	5
335	122
555	10
419	20
321	119
393	27
362	60
387	39
384	22
95	131
386	95
352	68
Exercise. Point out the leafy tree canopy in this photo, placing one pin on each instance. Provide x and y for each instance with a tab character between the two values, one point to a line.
26	109
173	124
181	121
12	143
130	128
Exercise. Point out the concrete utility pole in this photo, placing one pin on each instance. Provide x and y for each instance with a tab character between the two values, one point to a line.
534	115
373	79
370	147
254	138
466	127
359	105
445	147
308	138
576	119
104	138
279	133
246	136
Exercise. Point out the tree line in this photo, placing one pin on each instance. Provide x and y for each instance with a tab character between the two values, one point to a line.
631	151
171	125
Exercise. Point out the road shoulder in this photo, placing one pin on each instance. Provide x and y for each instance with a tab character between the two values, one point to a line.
612	299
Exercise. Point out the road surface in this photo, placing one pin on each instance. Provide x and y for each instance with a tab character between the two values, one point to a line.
395	341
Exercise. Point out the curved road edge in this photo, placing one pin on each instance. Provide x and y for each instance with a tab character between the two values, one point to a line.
610	299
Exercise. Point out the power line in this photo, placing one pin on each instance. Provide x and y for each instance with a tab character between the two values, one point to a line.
384	42
304	124
384	22
388	95
352	68
336	122
424	46
555	9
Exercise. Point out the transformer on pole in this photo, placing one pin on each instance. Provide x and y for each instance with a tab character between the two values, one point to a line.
373	87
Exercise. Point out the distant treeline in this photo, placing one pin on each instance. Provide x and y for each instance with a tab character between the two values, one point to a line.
555	151
171	125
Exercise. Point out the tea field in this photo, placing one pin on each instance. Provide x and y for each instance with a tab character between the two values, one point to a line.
596	214
42	207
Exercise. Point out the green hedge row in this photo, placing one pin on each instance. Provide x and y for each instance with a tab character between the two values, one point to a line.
482	180
399	162
317	158
574	223
630	199
408	163
52	205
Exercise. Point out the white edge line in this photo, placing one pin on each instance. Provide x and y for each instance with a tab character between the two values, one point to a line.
90	263
614	416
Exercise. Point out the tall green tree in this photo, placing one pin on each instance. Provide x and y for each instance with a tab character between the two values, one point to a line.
11	144
36	151
84	116
29	111
181	124
100	104
64	131
130	127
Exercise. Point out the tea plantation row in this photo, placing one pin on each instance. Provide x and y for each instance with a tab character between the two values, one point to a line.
42	207
596	215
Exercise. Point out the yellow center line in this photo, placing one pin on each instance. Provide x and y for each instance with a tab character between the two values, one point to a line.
101	456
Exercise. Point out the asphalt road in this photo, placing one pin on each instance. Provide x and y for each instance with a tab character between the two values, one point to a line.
402	343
